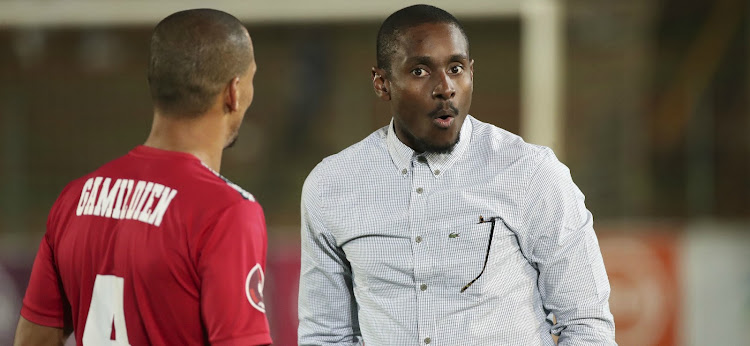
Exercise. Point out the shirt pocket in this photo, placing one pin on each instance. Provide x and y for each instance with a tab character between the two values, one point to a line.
466	253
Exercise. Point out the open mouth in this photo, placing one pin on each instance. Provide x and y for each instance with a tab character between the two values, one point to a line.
443	121
444	115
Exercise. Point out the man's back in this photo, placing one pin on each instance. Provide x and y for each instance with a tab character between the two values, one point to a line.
148	244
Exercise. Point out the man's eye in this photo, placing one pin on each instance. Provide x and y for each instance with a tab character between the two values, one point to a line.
418	71
457	69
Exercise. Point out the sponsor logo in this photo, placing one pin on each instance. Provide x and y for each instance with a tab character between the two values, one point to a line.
254	288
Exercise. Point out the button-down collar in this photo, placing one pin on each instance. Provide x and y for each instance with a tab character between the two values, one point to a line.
402	155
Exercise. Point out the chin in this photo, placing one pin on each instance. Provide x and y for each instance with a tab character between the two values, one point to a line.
441	148
231	143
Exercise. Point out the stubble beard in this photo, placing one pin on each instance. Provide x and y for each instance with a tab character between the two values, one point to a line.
426	147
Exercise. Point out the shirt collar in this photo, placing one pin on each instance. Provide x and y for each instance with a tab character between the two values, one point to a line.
402	155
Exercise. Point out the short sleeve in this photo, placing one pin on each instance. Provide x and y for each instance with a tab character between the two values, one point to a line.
231	265
45	303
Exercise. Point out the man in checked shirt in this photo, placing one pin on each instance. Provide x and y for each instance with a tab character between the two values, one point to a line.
440	229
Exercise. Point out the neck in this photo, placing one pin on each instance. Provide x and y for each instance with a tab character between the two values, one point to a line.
200	136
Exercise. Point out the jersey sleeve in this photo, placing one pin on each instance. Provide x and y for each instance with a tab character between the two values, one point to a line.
45	303
231	266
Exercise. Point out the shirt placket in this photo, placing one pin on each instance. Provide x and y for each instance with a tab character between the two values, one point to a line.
421	239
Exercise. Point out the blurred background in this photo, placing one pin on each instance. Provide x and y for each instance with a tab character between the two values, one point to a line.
647	102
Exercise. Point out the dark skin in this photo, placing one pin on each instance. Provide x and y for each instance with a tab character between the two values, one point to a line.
31	334
429	86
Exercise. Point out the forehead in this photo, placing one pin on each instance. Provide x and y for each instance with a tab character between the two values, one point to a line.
430	40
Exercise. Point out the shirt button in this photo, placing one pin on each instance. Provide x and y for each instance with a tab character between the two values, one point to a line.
404	171
419	190
437	172
427	340
419	239
423	287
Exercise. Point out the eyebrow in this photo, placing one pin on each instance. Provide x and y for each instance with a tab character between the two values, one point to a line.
459	57
426	60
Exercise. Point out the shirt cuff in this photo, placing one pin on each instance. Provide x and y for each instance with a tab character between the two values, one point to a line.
41	318
263	338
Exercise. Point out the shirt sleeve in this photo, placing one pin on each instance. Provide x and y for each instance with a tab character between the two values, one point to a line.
573	283
44	302
231	266
327	309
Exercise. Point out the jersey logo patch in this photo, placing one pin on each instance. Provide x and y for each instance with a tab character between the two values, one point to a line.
254	288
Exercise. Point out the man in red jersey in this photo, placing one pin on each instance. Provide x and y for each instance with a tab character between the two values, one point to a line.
155	247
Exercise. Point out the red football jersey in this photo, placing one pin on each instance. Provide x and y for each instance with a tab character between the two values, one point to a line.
153	248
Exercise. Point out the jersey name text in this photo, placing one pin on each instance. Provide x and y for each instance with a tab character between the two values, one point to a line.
126	199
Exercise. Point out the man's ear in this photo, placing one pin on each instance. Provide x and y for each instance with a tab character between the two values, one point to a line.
471	68
232	95
380	84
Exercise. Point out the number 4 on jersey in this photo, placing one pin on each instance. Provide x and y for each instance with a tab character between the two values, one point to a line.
106	314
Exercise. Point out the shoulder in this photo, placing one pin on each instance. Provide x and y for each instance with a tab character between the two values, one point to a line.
357	157
498	141
218	208
242	214
69	197
212	197
74	195
503	148
198	190
75	191
227	187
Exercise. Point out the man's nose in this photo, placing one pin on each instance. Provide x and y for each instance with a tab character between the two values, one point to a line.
445	89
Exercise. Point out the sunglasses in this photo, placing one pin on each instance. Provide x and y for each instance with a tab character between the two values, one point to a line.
492	221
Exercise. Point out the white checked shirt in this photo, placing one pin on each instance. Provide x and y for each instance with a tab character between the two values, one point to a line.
389	238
